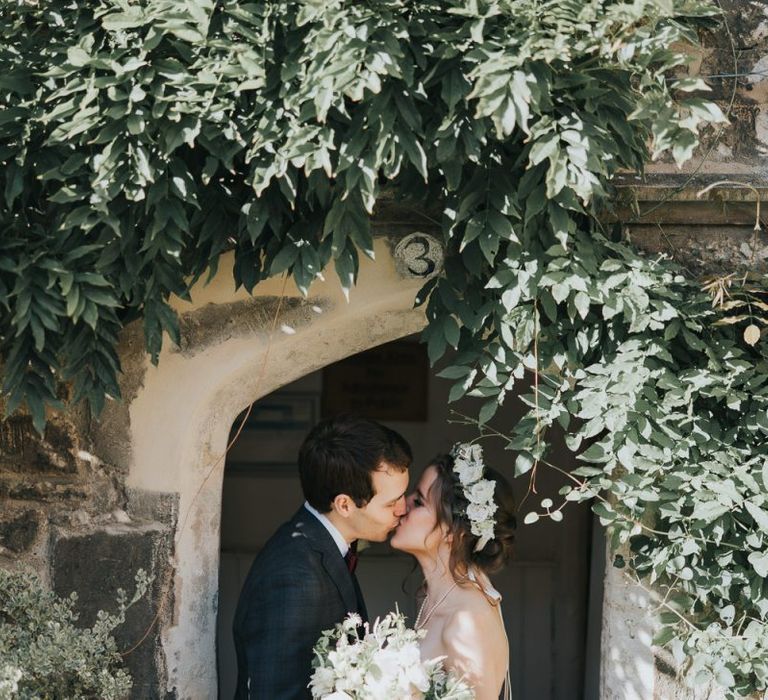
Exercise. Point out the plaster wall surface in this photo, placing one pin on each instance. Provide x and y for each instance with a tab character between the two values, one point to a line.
627	664
631	667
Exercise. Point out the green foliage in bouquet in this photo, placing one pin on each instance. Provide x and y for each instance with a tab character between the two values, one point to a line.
140	140
44	654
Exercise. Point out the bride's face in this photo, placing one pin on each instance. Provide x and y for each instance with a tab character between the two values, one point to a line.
418	531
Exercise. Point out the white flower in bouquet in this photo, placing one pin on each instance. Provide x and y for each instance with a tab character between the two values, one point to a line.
9	682
358	662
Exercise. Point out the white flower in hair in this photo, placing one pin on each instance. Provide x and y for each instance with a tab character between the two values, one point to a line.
480	512
468	466
485	528
469	453
481	492
469	472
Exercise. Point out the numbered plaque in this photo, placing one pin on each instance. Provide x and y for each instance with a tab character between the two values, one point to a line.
419	255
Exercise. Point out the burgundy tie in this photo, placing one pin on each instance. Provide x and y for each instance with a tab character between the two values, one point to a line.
351	557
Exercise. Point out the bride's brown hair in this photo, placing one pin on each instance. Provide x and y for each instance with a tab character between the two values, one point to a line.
450	504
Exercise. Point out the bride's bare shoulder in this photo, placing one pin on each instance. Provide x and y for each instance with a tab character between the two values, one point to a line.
474	621
462	640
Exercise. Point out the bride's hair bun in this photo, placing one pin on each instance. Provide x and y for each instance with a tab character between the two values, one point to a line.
451	505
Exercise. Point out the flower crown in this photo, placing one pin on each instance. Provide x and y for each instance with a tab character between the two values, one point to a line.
468	466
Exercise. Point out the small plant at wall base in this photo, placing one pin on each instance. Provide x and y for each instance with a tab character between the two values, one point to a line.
43	654
141	140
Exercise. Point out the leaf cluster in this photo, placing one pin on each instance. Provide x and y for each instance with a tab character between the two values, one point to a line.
45	654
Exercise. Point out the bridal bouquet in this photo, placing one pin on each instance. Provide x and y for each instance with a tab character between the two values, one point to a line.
358	662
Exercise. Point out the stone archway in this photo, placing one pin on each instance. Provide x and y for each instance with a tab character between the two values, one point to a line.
172	428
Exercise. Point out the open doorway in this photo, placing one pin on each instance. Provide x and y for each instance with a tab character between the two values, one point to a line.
551	600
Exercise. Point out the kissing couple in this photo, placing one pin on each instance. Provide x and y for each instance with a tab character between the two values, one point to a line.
458	523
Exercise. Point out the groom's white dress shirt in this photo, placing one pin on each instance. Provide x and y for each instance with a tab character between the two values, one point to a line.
338	538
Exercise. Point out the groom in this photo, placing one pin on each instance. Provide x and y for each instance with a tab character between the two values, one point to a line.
354	475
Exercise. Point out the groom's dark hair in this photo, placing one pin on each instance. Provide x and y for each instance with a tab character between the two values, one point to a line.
341	453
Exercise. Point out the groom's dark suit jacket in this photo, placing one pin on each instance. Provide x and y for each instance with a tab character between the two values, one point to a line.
298	586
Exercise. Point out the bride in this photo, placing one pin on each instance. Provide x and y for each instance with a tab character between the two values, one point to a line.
460	527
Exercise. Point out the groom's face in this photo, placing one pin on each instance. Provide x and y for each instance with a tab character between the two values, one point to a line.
377	518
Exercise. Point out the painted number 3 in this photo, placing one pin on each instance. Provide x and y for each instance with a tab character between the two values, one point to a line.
419	255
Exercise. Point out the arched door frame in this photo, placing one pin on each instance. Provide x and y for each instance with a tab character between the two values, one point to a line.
181	415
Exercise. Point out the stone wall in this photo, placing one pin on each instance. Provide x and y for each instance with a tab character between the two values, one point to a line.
66	515
735	64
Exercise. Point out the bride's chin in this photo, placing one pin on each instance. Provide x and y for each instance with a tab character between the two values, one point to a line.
394	542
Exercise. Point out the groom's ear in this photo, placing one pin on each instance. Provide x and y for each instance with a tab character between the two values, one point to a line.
343	505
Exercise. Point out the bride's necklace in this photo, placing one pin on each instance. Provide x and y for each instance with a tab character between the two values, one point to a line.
421	622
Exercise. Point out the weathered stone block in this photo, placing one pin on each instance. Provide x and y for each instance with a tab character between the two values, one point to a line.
151	505
18	531
96	565
48	490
